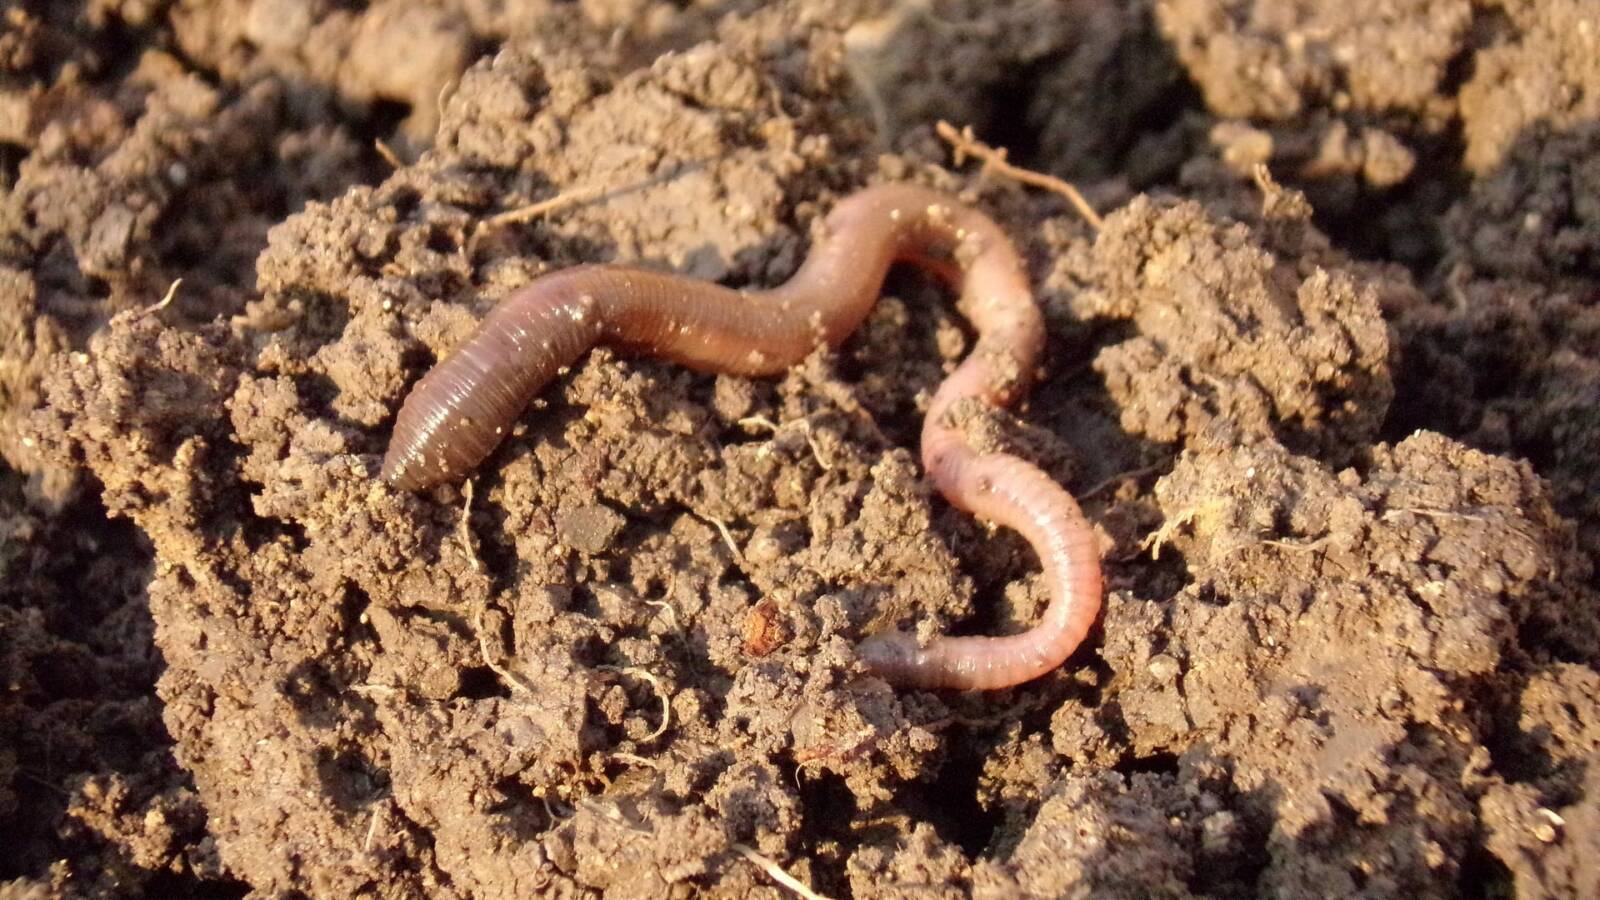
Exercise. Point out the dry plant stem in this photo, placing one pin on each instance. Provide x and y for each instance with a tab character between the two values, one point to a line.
466	528
388	154
964	143
532	211
543	207
165	301
776	872
661	691
460	411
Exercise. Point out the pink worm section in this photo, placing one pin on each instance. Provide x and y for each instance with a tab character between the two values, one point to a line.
460	411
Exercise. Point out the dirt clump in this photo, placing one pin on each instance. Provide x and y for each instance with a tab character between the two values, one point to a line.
89	793
1383	111
1538	68
1233	340
1343	98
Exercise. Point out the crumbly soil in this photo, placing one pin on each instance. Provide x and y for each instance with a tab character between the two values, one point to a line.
1326	380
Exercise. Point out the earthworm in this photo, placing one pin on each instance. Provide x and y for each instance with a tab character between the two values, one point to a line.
461	409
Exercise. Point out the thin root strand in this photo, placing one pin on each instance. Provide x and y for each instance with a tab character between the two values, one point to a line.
965	144
776	872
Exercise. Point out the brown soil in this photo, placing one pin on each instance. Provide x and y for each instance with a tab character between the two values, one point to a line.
1337	426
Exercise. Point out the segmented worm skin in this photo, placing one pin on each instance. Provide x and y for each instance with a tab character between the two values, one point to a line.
459	412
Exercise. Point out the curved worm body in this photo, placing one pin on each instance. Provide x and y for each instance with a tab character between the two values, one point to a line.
459	412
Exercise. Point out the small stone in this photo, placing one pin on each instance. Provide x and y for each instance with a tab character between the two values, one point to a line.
1218	832
1549	830
1163	668
590	528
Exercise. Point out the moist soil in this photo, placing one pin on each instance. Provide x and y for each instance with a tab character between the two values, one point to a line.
1326	380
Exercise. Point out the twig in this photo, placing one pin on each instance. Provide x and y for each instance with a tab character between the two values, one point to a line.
760	422
636	759
727	536
511	679
1121	477
1455	283
803	424
373	688
965	144
672	612
48	785
1288	545
1427	512
438	100
859	741
776	873
614	814
655	683
466	529
372	828
166	301
535	210
1272	193
1156	539
566	198
389	156
666	601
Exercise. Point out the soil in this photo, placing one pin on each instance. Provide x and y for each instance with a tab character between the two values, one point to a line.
1326	380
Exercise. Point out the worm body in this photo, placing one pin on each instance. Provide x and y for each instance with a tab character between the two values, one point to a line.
461	409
